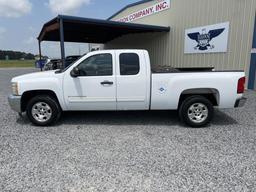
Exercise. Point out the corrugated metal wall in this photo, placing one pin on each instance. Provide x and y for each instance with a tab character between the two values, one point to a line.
168	49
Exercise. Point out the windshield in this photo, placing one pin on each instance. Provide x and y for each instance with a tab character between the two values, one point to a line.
66	68
63	70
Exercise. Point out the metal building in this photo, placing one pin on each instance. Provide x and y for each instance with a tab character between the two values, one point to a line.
204	33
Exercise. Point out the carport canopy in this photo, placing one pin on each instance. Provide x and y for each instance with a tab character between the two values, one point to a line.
85	30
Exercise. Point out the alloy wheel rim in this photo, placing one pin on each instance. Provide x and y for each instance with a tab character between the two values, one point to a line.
41	112
198	112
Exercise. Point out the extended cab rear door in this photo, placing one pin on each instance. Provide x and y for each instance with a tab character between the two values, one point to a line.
133	80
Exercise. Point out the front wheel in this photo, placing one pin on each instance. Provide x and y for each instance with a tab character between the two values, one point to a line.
43	110
196	111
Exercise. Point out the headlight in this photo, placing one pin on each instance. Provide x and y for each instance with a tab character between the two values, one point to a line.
15	88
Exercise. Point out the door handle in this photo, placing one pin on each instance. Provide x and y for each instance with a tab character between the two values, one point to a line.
107	83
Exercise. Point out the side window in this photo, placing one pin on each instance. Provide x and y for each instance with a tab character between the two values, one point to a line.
97	65
129	64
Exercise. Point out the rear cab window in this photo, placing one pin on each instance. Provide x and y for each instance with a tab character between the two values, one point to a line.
129	64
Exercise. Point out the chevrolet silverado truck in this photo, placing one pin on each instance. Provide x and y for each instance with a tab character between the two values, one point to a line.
112	80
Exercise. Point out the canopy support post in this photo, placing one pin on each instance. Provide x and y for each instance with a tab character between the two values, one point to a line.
62	46
40	55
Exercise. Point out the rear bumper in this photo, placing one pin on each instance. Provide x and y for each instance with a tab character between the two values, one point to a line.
15	103
240	102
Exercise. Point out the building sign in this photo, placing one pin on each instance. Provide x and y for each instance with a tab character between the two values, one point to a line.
207	39
156	8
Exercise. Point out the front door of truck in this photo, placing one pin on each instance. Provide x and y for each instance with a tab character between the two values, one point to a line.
95	87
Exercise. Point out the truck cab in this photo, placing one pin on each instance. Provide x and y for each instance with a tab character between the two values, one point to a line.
109	80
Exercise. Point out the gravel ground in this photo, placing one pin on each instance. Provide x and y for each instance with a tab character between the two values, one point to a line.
126	151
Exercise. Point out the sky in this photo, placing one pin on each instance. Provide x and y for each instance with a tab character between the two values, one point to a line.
22	20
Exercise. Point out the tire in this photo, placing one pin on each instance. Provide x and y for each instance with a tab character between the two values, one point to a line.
196	111
43	110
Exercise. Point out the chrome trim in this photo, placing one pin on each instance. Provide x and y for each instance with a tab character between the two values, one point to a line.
15	103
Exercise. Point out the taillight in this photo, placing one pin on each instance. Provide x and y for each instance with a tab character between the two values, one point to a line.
241	85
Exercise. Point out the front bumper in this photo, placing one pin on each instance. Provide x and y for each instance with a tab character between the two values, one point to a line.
15	103
240	102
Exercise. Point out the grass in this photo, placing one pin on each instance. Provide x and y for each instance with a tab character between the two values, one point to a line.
17	63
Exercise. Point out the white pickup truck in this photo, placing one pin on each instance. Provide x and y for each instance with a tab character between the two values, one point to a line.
123	80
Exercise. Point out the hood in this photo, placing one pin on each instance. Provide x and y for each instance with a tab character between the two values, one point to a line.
34	76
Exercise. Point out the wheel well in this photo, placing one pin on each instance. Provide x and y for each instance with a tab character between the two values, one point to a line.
211	94
30	94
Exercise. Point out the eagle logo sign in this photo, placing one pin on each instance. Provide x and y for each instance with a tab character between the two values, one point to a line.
205	38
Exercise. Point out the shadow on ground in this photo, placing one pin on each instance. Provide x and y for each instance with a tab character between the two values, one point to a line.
221	118
130	118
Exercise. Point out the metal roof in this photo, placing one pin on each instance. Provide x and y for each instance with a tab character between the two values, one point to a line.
78	29
128	6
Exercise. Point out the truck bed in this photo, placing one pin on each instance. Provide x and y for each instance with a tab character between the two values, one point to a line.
169	69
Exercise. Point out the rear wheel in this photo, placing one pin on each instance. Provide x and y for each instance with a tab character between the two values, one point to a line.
43	110
196	111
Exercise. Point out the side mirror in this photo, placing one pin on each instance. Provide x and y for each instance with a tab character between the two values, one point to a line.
75	72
